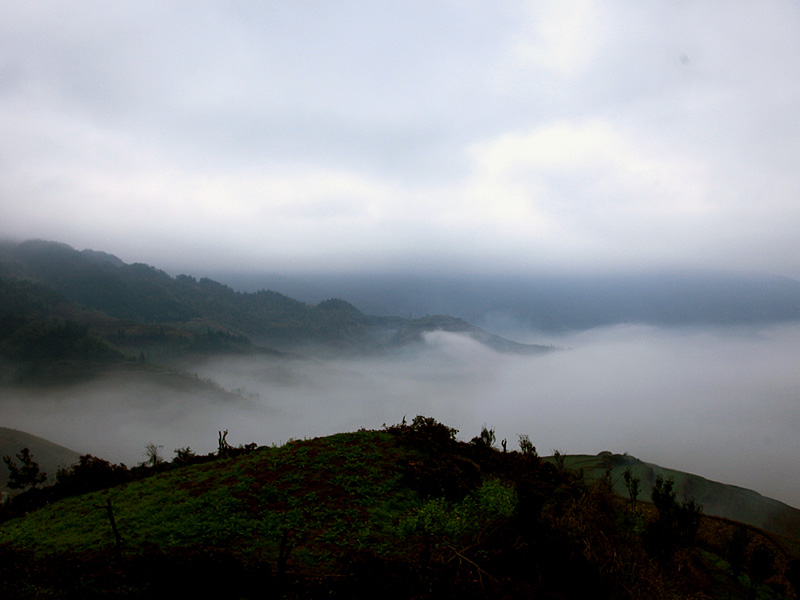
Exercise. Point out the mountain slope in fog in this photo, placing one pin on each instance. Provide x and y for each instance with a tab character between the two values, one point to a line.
549	302
137	309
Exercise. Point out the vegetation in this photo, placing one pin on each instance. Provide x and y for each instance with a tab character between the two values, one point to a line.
407	511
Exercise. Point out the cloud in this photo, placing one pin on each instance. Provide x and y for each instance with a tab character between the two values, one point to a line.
578	135
718	403
562	38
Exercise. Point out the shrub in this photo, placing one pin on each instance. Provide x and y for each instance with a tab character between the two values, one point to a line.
90	474
458	522
677	522
486	438
183	456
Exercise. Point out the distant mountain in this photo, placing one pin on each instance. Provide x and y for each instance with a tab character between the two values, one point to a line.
46	454
548	302
59	303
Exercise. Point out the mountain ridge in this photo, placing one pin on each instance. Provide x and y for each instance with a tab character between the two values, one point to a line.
138	309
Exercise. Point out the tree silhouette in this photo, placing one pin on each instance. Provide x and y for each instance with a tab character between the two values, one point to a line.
632	484
153	453
677	522
25	475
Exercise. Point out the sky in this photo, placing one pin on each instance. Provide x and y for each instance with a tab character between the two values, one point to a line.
355	136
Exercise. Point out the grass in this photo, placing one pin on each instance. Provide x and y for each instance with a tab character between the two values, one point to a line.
329	499
329	494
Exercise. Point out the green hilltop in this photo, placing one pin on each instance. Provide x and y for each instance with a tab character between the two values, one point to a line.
403	512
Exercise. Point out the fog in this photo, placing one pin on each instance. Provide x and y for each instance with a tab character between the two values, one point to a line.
721	403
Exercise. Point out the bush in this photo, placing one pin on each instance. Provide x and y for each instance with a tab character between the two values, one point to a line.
183	456
90	474
487	438
458	522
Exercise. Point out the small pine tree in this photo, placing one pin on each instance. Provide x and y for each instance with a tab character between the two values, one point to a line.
560	459
25	475
526	446
677	522
632	484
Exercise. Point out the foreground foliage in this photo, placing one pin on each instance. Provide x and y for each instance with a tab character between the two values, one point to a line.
405	512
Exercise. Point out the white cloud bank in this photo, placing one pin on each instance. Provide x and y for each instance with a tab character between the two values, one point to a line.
719	403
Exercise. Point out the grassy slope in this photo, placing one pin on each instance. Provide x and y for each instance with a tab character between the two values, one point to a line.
250	499
373	511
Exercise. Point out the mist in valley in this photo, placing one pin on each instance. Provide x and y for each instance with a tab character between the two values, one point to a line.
717	402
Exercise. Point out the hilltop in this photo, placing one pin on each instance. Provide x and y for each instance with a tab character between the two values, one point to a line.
407	511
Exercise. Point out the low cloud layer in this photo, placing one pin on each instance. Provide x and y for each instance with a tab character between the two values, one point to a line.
719	403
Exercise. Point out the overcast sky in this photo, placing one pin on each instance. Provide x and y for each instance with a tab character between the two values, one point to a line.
299	135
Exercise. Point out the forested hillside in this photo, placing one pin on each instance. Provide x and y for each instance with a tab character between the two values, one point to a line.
60	307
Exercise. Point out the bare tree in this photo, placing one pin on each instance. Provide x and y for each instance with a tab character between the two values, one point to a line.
224	447
153	453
